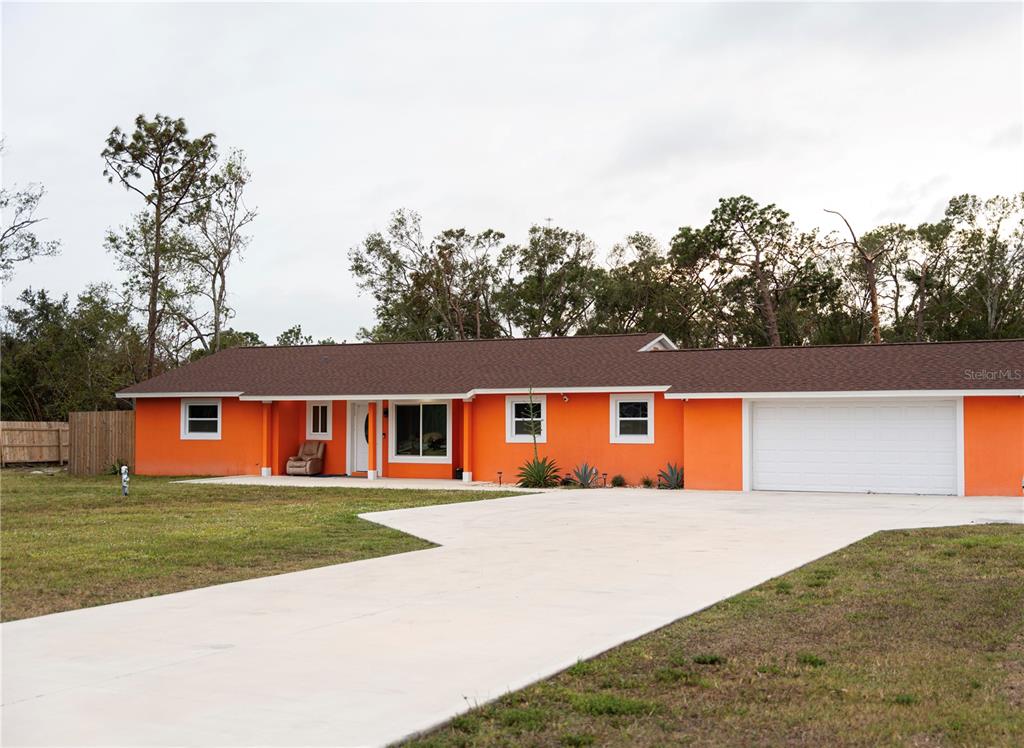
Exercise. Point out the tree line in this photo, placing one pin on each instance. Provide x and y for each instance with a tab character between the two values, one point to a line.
748	277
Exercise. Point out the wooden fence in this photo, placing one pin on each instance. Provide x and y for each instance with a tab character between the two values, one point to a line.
33	441
101	439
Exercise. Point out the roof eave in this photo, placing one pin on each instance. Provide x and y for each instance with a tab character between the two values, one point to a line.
125	395
796	394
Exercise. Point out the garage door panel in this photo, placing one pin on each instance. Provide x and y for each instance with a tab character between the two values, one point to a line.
862	446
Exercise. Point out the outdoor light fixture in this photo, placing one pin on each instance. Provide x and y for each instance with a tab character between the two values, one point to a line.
604	480
499	477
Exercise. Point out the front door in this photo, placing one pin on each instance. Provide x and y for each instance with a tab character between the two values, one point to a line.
359	432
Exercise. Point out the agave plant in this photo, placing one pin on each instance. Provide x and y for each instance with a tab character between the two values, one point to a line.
539	472
585	475
670	477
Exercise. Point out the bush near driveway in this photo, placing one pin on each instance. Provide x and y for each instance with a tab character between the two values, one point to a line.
911	638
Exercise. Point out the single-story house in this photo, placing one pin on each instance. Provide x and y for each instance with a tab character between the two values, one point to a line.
929	418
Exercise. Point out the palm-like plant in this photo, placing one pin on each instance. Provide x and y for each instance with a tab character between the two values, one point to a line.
671	477
540	472
585	475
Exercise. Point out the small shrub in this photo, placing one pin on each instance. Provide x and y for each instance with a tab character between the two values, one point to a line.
567	482
671	477
709	659
646	482
538	473
115	468
585	475
466	723
581	668
576	741
608	704
619	682
783	587
669	675
523	718
618	481
821	577
904	699
806	658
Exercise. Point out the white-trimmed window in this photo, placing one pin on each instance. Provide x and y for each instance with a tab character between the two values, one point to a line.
525	416
420	431
318	421
632	419
200	419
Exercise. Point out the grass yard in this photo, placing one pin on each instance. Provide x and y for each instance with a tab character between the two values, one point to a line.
74	542
907	638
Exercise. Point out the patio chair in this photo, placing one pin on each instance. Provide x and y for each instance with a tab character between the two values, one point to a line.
309	460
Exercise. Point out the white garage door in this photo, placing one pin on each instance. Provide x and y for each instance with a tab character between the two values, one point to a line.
884	446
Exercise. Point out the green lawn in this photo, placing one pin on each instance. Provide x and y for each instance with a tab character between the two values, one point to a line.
906	638
74	542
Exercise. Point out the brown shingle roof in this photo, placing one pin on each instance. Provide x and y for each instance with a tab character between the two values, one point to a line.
603	361
985	364
454	367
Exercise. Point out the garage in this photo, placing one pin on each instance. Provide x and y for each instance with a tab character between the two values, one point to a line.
891	445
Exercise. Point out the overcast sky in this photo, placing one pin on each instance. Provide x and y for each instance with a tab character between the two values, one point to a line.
608	119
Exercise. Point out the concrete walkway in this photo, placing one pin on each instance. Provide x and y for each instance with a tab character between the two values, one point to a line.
347	481
368	652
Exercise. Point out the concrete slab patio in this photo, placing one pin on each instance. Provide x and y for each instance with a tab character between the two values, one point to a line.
368	652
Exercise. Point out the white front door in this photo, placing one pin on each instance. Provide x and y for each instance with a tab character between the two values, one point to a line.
358	433
871	446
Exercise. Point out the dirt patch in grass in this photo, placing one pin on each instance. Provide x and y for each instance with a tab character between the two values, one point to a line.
75	542
911	638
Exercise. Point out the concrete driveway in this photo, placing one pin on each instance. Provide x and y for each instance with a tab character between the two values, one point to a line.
368	652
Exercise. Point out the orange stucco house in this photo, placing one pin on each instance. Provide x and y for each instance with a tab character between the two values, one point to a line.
929	418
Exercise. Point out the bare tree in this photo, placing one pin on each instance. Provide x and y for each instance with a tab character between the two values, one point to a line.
219	240
869	254
18	241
